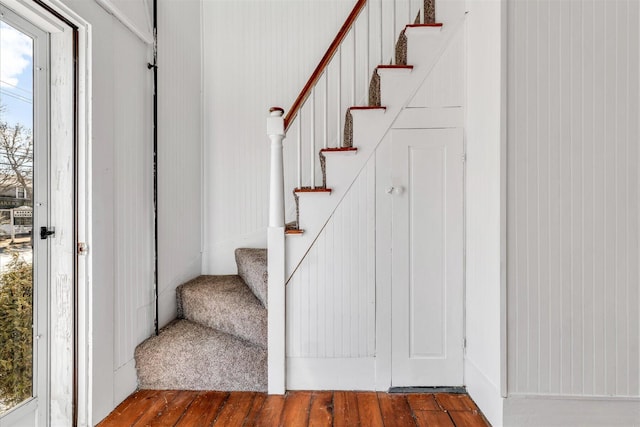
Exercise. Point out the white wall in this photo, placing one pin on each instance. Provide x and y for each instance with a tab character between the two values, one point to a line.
121	246
573	288
484	178
179	149
573	189
572	194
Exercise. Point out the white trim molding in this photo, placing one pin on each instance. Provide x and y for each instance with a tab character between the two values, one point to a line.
548	411
305	373
484	392
143	34
84	183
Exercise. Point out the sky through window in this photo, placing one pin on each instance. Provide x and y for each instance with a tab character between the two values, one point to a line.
16	76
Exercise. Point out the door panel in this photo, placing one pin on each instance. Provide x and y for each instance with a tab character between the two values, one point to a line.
427	325
24	206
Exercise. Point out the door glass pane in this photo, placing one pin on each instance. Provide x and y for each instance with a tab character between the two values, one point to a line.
16	212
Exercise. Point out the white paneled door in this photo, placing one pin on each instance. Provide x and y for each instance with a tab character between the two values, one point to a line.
427	289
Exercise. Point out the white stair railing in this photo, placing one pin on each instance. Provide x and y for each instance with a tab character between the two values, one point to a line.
341	80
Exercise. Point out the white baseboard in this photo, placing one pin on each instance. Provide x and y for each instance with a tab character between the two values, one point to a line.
560	411
484	392
331	374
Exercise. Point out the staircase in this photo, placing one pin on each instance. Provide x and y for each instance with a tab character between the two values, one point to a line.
365	118
336	135
219	341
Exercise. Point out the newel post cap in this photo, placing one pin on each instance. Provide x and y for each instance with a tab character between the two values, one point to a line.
276	111
275	121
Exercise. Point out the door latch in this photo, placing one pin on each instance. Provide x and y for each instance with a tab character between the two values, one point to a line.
46	232
82	248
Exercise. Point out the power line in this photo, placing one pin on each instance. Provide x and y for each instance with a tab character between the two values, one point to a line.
28	92
18	97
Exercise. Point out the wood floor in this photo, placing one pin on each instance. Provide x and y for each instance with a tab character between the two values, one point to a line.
300	408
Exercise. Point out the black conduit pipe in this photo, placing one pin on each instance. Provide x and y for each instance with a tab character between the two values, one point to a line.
154	66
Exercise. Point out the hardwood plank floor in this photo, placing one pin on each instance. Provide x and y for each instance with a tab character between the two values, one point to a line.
296	409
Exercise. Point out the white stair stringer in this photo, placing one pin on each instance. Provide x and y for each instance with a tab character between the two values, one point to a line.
425	47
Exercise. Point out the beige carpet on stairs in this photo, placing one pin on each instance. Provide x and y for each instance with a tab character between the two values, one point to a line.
190	356
219	341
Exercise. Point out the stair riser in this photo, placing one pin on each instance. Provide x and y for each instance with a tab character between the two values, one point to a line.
252	267
341	168
249	324
422	47
186	356
411	118
398	86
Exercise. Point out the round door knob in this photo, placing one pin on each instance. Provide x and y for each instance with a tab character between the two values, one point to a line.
394	190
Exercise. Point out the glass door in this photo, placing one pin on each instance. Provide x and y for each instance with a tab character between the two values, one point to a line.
23	209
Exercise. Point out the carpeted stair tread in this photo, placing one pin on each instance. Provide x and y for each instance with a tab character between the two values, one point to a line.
189	356
252	267
225	303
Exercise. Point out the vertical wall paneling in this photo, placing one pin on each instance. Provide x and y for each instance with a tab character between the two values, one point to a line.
573	198
179	149
132	207
331	297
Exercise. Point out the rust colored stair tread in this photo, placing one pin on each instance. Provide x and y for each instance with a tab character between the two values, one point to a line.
294	231
312	190
366	107
434	24
338	149
395	67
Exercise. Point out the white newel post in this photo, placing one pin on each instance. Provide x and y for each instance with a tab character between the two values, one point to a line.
276	256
